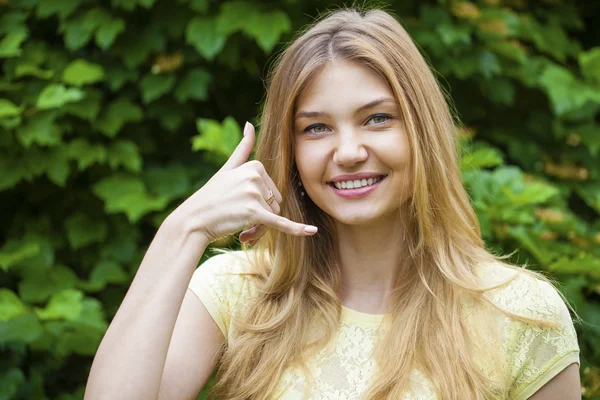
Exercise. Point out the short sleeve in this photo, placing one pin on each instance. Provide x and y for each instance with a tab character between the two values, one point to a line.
219	282
539	354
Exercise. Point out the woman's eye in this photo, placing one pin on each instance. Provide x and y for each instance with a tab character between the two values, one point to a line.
315	129
380	119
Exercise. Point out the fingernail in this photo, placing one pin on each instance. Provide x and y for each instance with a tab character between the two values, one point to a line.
311	229
246	127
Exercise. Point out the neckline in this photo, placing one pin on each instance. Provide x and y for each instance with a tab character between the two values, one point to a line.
361	318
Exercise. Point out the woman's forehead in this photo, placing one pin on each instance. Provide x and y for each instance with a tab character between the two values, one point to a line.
343	83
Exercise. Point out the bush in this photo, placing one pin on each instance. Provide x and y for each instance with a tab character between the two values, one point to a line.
113	112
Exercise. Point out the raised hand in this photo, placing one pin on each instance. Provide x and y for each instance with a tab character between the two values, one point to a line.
236	198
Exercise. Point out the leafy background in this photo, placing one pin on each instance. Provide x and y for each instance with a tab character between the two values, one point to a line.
113	112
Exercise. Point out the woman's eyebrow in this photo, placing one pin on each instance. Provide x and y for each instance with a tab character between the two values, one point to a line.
371	104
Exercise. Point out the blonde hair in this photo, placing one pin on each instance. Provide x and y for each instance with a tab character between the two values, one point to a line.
298	278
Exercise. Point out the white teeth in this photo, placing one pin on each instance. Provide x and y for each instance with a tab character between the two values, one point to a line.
357	183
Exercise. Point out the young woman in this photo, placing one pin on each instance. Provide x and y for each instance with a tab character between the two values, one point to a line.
395	296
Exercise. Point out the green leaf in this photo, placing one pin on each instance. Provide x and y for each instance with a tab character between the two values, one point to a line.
10	381
9	109
105	272
585	264
10	305
490	64
79	233
30	69
108	32
199	6
194	85
58	165
13	252
267	28
590	193
590	64
566	92
40	129
86	153
221	139
57	95
66	304
130	5
62	8
88	108
172	181
125	153
117	114
126	193
154	86
25	328
10	45
81	72
481	158
39	284
202	33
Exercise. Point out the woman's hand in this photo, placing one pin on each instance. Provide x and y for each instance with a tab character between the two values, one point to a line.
236	198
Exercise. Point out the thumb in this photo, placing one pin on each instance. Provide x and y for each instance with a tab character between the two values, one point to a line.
243	150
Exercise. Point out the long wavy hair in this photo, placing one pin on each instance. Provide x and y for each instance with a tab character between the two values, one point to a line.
298	278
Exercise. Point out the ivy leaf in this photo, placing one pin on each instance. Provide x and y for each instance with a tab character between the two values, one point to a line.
199	6
79	233
108	32
86	109
10	305
15	251
130	5
266	28
126	153
117	114
25	328
9	109
105	272
202	33
65	304
566	92
585	264
154	86
126	193
172	181
590	64
38	285
62	8
490	65
86	153
10	45
56	95
40	129
81	72
590	193
194	85
30	69
58	165
481	158
221	139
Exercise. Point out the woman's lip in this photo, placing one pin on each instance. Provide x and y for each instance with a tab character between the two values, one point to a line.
355	193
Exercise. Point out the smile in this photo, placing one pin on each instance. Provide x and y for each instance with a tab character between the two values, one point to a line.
351	193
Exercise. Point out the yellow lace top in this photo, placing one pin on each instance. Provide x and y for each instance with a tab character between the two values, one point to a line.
344	368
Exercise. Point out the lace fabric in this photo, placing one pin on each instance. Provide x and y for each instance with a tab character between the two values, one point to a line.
344	368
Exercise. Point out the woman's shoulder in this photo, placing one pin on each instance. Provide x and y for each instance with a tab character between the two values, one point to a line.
527	293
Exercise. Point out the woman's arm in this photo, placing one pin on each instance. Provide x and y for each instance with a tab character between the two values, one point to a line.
130	360
564	386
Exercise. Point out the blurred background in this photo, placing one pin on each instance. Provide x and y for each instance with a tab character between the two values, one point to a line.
113	112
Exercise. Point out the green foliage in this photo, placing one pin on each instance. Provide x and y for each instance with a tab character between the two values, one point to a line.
112	113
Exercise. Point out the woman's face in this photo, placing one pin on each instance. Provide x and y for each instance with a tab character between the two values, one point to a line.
347	122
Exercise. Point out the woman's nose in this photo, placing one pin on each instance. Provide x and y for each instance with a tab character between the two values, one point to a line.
350	149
